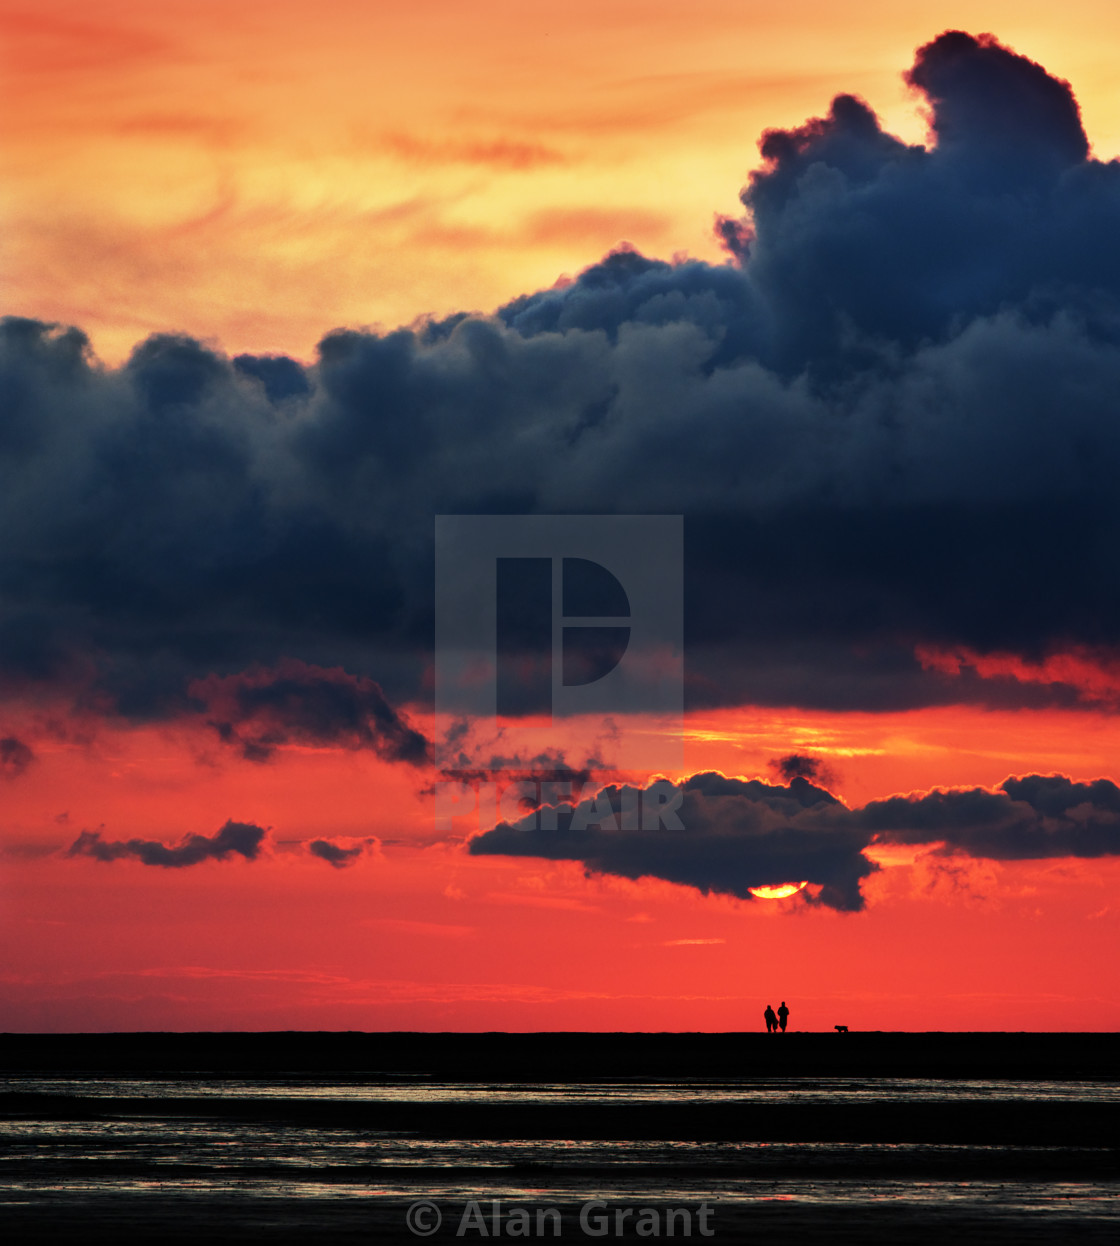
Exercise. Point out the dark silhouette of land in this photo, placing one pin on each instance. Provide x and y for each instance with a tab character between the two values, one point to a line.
571	1056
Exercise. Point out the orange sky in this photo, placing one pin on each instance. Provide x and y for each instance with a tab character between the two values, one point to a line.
260	173
257	174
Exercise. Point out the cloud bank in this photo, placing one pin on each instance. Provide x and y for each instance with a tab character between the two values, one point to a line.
889	420
732	834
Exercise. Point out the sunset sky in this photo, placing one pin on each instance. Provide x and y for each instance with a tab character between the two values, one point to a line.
286	281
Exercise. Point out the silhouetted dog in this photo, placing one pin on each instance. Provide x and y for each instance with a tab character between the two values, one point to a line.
840	1029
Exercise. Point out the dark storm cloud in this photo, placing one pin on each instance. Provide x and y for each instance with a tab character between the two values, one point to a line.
730	835
1001	118
335	855
15	757
858	234
889	423
241	838
260	710
279	376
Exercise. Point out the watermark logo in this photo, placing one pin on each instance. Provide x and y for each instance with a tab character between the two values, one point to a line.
596	1218
543	621
423	1218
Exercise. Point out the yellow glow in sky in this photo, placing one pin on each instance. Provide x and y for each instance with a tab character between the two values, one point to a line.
261	173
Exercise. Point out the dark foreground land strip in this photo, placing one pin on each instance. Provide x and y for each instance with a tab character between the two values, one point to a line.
977	1122
570	1056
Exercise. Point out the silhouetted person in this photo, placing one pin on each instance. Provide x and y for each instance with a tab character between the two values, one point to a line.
783	1016
771	1020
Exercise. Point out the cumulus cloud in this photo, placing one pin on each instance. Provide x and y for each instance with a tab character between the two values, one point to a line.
235	838
889	420
727	835
1002	118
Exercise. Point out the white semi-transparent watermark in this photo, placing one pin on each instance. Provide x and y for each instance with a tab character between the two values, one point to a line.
595	1218
549	625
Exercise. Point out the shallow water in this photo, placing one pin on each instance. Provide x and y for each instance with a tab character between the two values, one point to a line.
396	1089
127	1166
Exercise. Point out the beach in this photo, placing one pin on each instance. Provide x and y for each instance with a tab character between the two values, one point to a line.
334	1137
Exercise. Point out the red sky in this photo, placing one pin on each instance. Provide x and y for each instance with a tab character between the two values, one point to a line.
420	935
256	175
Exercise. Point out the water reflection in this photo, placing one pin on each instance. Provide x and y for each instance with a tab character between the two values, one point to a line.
404	1090
195	1159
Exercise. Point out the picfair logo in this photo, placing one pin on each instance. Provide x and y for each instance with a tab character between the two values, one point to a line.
541	619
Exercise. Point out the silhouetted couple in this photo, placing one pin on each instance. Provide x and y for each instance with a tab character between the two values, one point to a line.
776	1021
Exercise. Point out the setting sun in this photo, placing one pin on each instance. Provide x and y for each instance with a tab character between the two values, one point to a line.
777	892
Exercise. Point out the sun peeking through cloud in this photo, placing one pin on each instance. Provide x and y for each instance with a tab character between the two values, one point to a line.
779	891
